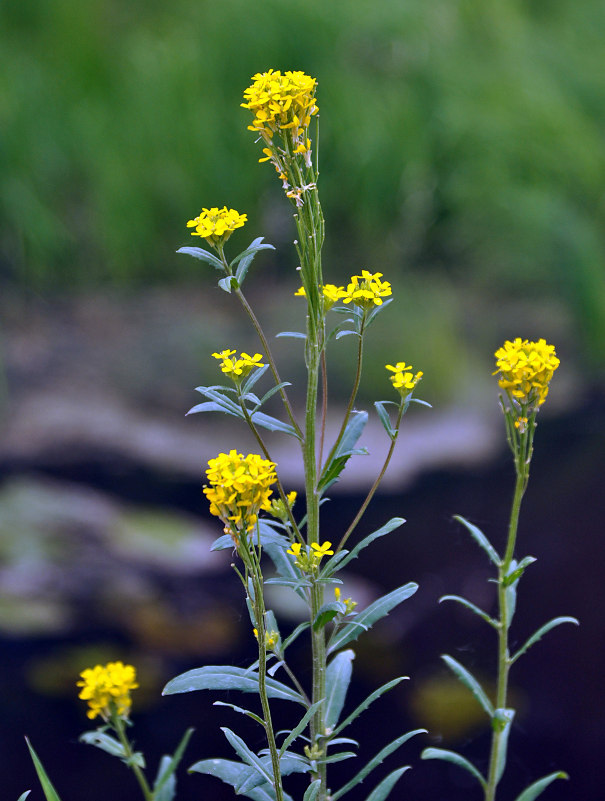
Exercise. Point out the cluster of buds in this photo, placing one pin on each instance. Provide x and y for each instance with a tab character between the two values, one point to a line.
308	559
278	507
349	603
271	639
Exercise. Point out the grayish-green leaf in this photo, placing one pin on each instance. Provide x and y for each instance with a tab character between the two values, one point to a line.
312	791
515	572
384	418
285	567
483	615
470	682
386	785
338	677
168	765
273	424
327	613
105	742
542	631
49	791
246	754
203	255
510	602
247	256
227	677
272	391
24	795
373	763
370	615
295	634
241	711
226	404
392	524
455	759
369	700
480	539
502	722
228	283
300	727
535	789
292	334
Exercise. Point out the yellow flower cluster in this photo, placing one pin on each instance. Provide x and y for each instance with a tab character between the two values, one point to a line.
281	102
332	294
237	369
308	559
349	603
216	225
403	379
366	290
240	487
107	689
526	369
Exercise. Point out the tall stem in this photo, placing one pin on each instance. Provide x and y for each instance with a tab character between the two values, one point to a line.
118	726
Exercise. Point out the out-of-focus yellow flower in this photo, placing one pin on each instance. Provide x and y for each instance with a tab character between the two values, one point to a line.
403	379
366	290
216	225
107	689
237	369
332	294
278	507
239	487
281	102
271	639
525	369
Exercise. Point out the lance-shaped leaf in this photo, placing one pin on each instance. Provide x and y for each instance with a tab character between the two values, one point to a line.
292	334
455	759
501	723
166	781
273	424
470	682
370	615
49	791
225	403
516	570
112	746
346	448
300	727
373	763
246	755
241	711
384	417
536	789
334	565
203	255
235	774
483	615
227	677
386	785
338	677
541	632
327	613
285	567
480	539
24	795
228	283
295	634
365	704
312	791
289	763
247	256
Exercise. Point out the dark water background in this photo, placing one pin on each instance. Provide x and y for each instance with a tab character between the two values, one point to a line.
557	686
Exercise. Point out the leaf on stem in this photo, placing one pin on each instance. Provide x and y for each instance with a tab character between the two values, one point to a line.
502	722
483	615
384	417
247	755
373	763
327	613
455	759
338	677
541	632
470	682
49	791
535	789
292	736
312	791
386	785
516	570
346	448
164	788
241	711
24	795
228	283
292	334
273	424
370	615
333	565
246	257
203	255
227	677
480	539
365	704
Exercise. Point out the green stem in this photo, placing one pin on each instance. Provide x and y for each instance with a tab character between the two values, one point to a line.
118	726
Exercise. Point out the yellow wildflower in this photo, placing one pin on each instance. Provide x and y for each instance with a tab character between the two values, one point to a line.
403	379
278	507
319	551
307	559
216	225
366	290
526	369
332	294
238	368
281	102
239	487
107	689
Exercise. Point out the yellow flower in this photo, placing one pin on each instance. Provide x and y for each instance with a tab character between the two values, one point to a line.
526	369
319	551
107	689
307	559
237	369
278	507
281	102
366	290
216	225
240	486
403	379
332	294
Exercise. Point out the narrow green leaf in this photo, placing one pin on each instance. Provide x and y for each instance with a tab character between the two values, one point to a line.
327	613
510	601
515	573
285	567
49	791
295	634
541	632
228	283
365	704
370	615
392	524
247	256
273	391
346	449
338	677
502	722
455	759
345	332
470	682
535	789
103	741
273	424
253	379
373	763
300	727
167	768
376	310
292	334
226	404
472	607
248	756
24	795
480	539
386	785
384	418
203	255
312	791
241	711
227	677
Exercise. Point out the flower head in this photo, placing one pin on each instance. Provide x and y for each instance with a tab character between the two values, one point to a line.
308	559
403	379
237	369
239	487
278	507
216	225
107	689
281	102
332	294
525	369
366	290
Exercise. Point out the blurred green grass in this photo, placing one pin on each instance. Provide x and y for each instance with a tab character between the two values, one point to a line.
461	143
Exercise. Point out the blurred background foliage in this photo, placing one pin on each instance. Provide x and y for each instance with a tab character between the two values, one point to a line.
461	146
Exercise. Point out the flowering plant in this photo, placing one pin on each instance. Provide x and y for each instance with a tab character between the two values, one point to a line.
262	523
